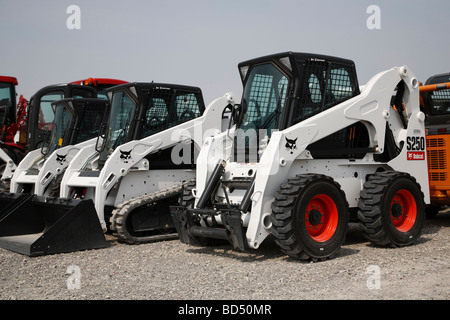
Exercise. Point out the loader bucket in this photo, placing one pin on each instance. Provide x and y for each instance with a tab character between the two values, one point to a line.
40	226
10	200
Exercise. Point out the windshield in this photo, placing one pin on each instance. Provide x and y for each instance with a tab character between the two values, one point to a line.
90	122
262	104
263	98
440	102
121	115
61	126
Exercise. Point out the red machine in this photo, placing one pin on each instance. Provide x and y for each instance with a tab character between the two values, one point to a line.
12	116
100	84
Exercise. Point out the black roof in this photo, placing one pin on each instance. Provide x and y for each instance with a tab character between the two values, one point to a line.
83	100
299	57
149	85
63	86
438	78
81	103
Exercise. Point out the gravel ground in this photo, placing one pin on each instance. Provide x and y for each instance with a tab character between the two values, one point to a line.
171	270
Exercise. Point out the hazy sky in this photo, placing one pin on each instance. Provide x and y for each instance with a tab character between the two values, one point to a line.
200	42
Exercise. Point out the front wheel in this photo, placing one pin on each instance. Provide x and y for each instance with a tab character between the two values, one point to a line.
310	217
391	209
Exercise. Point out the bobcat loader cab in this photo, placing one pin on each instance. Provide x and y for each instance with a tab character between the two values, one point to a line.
39	121
150	144
309	152
76	124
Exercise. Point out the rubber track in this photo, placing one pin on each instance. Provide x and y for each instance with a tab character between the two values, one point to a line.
118	222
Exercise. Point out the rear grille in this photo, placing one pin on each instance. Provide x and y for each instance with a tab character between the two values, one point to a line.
435	143
437	159
438	176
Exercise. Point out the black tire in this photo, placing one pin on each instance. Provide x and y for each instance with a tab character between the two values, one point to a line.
310	217
391	209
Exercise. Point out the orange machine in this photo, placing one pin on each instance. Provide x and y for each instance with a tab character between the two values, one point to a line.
435	101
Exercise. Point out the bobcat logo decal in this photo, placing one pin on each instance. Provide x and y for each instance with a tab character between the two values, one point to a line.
61	159
125	155
291	144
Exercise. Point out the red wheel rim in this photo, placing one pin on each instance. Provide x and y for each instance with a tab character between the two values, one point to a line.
321	218
403	210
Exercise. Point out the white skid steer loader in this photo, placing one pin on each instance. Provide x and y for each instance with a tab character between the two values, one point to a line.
154	134
76	125
39	120
311	151
32	224
142	155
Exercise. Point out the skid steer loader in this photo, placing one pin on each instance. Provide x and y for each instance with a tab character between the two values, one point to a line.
30	224
39	119
142	155
154	133
76	125
12	152
311	151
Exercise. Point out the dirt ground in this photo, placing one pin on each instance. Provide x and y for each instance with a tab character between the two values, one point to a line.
170	270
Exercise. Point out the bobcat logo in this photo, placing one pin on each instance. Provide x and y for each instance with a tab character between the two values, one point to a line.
61	159
125	155
291	144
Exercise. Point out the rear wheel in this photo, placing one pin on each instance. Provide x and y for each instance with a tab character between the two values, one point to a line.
391	209
310	217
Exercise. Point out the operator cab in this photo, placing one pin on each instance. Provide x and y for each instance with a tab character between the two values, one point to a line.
76	120
40	116
139	110
284	89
